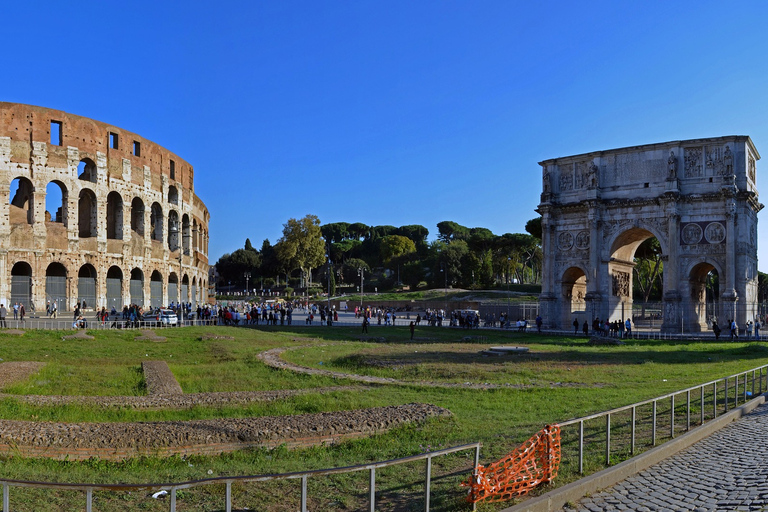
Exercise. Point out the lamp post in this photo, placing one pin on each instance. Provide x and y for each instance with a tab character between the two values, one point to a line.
247	276
361	273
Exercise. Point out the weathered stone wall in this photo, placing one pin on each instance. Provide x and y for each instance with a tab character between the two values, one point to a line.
127	206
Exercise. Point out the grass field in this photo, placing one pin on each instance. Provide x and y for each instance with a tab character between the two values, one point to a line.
560	378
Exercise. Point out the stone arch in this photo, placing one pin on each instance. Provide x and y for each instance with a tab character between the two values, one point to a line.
22	208
56	285
156	290
21	283
114	216
87	285
156	222
56	198
186	235
114	283
574	292
173	231
137	216
137	287
173	288
173	195
703	309
87	171
87	214
184	296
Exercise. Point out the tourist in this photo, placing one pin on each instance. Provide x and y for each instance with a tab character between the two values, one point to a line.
365	324
757	329
539	322
628	327
15	310
585	328
716	329
734	329
575	326
3	314
413	328
22	312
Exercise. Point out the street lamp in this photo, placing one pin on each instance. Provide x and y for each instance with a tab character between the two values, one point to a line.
361	273
247	276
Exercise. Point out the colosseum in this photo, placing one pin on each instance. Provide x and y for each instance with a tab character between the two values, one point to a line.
97	214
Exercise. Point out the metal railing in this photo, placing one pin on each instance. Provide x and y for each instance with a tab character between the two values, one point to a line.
710	403
172	488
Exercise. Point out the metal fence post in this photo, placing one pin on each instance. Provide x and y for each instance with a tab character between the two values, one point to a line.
429	476
745	387
714	398
581	447
726	394
304	493
607	439
634	415
688	411
372	491
88	500
653	430
672	417
228	501
173	499
6	498
474	471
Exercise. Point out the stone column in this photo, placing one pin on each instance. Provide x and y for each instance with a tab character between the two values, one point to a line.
593	297
728	293
548	298
672	296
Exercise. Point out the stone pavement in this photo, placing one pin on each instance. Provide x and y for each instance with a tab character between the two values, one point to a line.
726	471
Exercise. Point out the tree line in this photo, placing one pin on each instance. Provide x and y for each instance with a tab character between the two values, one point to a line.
311	254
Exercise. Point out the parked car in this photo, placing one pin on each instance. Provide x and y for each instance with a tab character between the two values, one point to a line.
167	317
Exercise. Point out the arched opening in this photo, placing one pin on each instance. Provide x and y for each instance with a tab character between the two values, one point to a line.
636	273
86	170
87	219
156	290
173	195
115	288
114	216
173	230
22	195
184	289
193	293
195	236
574	289
173	288
55	203
186	234
56	286
704	296
156	222
137	287
21	284
137	216
86	284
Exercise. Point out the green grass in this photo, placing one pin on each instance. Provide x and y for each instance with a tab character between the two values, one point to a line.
559	379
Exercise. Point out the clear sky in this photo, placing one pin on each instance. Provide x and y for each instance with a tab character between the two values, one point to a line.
391	112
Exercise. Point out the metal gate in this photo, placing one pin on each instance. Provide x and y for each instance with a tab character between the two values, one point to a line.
156	294
114	293
86	290
56	291
184	294
194	296
137	292
173	293
21	291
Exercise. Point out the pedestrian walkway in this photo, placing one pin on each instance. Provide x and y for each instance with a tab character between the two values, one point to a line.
727	471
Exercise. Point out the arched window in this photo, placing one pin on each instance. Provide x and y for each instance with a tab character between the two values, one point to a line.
137	287
56	198
173	195
22	201
86	206
186	234
156	290
184	289
137	216
173	288
114	216
173	230
86	170
156	222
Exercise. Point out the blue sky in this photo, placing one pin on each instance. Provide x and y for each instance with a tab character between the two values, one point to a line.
395	112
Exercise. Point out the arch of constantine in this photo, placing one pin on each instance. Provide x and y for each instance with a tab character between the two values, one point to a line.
91	212
696	197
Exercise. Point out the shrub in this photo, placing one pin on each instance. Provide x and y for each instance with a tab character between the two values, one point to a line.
288	291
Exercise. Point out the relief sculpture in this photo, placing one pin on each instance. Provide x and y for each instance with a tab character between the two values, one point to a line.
692	162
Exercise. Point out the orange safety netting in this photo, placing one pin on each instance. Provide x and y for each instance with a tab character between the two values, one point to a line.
535	462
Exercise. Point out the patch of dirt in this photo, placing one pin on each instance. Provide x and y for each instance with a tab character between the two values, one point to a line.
17	371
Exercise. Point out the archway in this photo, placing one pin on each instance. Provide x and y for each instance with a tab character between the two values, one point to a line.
137	216
137	287
21	284
173	288
56	285
86	170
185	233
173	231
574	290
193	293
156	290
704	297
184	298
56	198
114	283
156	222
86	284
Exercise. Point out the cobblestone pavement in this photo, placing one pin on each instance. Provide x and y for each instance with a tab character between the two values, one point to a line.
726	471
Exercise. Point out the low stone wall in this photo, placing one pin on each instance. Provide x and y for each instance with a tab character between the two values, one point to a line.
117	441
